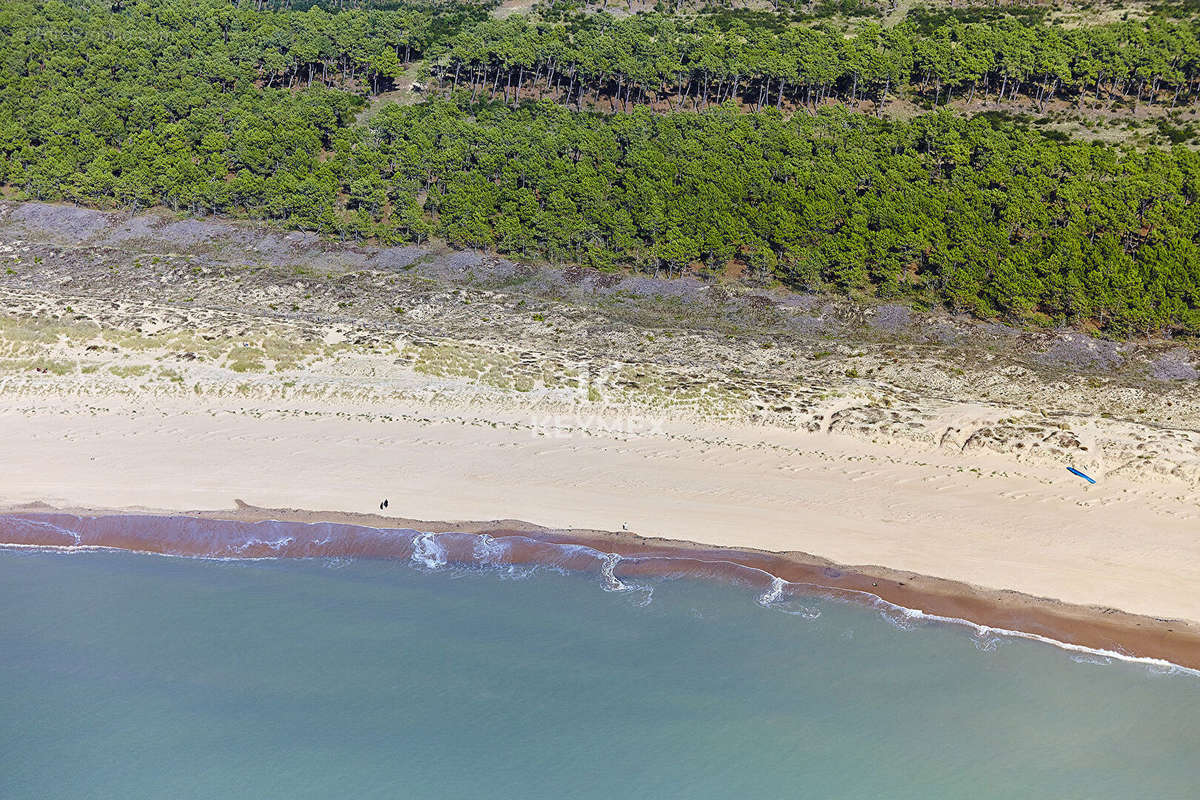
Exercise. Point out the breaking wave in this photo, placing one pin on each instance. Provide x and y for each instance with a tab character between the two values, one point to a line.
510	554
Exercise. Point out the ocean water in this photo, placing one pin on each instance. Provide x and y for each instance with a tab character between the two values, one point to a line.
126	675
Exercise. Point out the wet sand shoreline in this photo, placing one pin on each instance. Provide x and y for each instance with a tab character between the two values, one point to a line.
369	535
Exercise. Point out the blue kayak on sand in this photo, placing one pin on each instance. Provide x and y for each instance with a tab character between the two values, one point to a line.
1080	474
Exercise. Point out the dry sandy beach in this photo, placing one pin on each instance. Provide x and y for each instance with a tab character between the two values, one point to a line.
1037	531
137	381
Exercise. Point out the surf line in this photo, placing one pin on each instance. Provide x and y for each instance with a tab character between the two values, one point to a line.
218	539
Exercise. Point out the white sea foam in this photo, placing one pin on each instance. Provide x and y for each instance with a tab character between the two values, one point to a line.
61	548
774	599
271	544
1088	658
488	550
611	582
985	643
1155	666
490	554
428	551
899	617
773	593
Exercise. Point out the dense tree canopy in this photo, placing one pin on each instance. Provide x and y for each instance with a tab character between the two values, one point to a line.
210	107
692	62
987	218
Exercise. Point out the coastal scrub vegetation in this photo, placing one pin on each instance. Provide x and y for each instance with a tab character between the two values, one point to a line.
659	141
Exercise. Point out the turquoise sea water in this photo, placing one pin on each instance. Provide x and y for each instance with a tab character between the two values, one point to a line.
137	676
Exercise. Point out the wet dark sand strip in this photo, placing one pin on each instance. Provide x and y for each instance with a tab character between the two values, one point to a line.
330	534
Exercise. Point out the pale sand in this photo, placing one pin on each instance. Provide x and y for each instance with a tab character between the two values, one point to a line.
1029	527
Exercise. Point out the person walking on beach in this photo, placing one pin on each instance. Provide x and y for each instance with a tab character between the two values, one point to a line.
383	505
